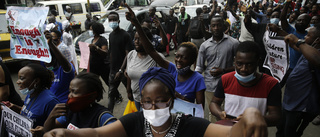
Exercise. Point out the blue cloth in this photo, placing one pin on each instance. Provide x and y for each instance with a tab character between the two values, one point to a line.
161	74
61	82
38	108
294	55
156	41
300	94
189	87
63	119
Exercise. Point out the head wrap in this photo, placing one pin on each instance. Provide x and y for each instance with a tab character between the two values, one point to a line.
161	74
65	24
68	7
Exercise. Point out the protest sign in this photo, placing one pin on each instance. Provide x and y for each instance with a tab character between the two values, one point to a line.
277	59
185	107
15	124
27	38
85	54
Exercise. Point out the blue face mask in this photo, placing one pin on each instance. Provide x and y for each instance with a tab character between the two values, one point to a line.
311	25
274	21
113	25
90	33
245	79
184	70
26	91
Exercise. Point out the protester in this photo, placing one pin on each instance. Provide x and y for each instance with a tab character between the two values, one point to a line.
157	89
34	81
62	68
246	85
63	48
67	40
196	28
215	57
99	61
159	42
171	30
69	14
120	45
190	84
300	108
81	110
183	25
8	93
87	22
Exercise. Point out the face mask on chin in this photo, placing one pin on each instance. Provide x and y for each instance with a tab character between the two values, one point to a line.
184	70
245	79
27	91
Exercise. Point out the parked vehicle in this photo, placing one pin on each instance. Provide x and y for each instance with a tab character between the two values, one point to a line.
4	38
79	8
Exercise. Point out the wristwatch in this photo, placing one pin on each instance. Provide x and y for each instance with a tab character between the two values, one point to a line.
300	41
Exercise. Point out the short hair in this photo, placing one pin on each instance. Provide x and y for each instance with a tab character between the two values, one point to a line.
153	8
58	33
46	76
249	47
192	48
97	28
183	8
221	19
114	13
92	82
199	11
147	32
308	18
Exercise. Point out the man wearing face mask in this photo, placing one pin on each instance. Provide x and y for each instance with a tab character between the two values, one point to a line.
245	87
302	23
120	45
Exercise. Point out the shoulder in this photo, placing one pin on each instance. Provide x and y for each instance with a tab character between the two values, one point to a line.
268	80
232	40
228	76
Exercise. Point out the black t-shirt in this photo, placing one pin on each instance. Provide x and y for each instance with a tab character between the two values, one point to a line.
183	24
188	127
97	59
14	97
120	42
171	24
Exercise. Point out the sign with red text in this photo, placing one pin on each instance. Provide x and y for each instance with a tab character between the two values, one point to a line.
13	124
277	59
27	38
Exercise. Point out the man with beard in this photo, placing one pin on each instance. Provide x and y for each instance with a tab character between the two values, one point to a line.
299	31
218	52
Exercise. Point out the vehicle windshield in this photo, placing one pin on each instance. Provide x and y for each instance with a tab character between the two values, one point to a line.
3	24
124	23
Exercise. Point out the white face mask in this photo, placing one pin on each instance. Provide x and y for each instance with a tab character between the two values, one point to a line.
26	91
157	117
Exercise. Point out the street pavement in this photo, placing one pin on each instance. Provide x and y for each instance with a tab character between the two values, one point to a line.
311	130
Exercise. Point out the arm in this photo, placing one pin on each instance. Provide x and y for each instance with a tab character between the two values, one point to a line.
147	45
4	89
164	39
129	90
215	108
200	97
283	16
220	71
201	60
66	66
114	129
51	122
274	115
252	125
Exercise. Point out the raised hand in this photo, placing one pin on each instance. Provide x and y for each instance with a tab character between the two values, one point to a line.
130	16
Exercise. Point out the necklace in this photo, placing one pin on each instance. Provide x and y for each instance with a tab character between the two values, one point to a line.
165	131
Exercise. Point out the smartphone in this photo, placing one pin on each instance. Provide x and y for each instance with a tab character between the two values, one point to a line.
230	117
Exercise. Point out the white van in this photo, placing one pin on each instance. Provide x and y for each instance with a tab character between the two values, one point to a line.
78	7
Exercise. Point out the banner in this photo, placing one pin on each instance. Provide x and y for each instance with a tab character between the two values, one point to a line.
185	107
277	59
27	38
85	54
15	124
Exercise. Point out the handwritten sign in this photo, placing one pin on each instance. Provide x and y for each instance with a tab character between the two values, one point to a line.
27	39
277	59
15	124
85	54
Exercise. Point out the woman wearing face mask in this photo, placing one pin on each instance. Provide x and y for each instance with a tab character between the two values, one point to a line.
81	110
157	90
34	81
98	61
189	84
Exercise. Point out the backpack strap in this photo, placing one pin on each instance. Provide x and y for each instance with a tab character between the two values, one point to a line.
109	119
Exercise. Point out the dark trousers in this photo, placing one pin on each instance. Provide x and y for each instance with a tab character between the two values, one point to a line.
293	123
113	93
101	70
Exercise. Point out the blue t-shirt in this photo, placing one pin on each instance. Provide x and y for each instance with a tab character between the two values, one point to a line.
301	94
38	108
61	82
63	119
189	87
294	55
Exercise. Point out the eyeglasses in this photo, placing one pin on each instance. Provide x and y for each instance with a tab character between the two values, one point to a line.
147	105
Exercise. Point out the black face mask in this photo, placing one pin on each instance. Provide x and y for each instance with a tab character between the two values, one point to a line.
55	41
300	27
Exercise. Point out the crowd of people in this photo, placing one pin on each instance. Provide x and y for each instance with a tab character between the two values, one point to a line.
226	50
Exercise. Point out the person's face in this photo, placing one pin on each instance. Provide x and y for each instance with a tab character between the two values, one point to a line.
182	58
269	11
151	11
302	22
182	10
245	63
68	10
216	27
55	38
25	78
315	20
314	8
218	9
275	15
292	17
137	43
311	36
155	93
171	12
77	88
234	8
113	18
302	10
204	9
